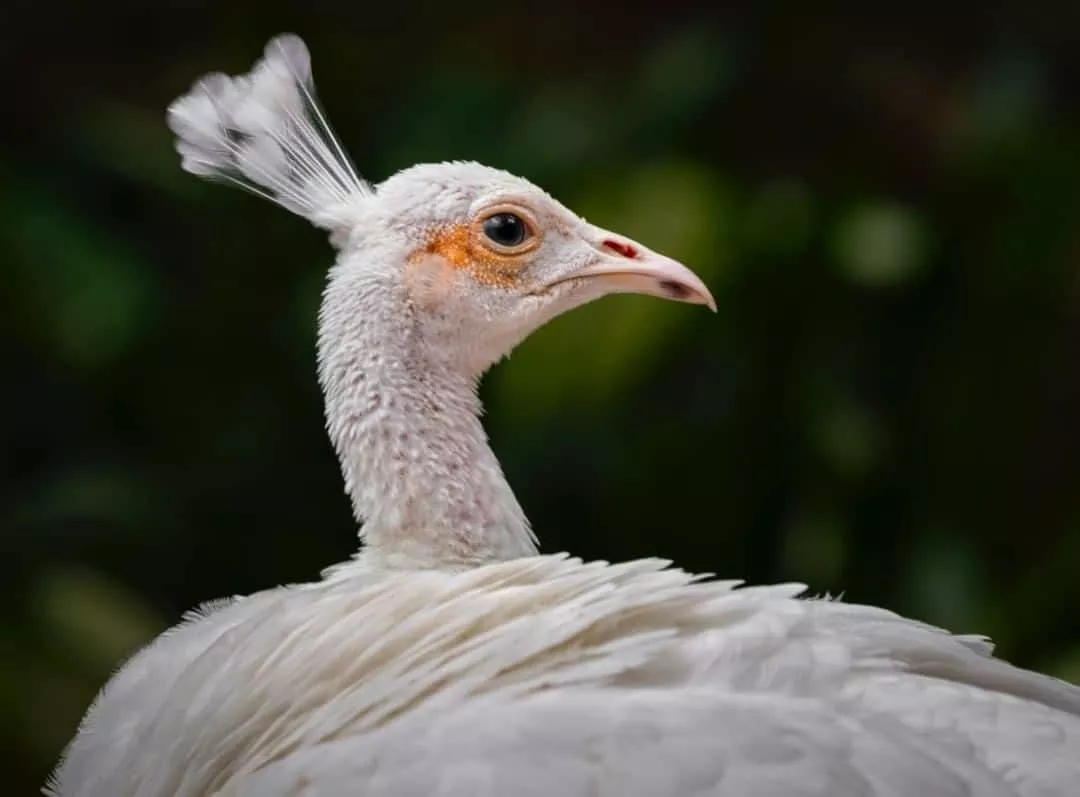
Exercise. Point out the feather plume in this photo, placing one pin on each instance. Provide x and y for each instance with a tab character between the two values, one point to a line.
265	132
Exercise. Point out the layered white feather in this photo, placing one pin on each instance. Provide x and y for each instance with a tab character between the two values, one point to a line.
549	676
265	132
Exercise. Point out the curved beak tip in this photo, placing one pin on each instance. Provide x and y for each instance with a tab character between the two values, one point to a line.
678	283
701	296
681	292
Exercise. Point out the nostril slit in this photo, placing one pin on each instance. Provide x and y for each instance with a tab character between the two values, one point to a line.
619	248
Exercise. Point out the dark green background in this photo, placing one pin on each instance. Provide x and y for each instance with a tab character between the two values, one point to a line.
884	200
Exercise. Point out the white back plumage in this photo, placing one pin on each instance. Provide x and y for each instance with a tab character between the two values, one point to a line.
549	676
541	676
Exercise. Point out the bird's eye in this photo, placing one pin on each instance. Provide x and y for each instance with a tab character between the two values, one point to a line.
506	229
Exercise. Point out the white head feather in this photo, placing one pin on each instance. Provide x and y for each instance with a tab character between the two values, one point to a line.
265	132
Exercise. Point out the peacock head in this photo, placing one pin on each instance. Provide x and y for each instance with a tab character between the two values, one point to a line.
475	257
486	257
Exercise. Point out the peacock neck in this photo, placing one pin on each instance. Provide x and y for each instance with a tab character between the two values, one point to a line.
424	482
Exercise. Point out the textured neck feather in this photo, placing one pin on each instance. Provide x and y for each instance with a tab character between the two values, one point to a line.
424	482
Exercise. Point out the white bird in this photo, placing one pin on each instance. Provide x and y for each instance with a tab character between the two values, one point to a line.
448	658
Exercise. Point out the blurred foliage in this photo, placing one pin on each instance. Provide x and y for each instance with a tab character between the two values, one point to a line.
887	405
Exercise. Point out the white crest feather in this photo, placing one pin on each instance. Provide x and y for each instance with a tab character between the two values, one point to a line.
265	132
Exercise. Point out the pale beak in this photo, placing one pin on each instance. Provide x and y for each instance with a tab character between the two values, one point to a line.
627	267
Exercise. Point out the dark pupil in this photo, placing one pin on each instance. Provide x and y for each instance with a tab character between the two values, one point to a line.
505	229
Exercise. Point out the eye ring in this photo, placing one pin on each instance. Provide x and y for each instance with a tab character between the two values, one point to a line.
507	230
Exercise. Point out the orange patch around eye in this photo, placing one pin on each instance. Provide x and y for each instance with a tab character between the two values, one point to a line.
458	247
